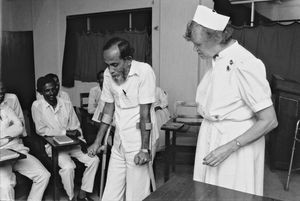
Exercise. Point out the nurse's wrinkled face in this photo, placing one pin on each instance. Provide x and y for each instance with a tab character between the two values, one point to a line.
117	66
203	43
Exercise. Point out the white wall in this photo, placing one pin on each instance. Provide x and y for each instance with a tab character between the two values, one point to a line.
178	61
16	15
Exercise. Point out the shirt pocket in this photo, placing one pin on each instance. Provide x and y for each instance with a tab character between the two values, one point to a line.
128	99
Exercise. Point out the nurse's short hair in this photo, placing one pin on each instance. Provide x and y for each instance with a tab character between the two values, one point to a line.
126	51
211	34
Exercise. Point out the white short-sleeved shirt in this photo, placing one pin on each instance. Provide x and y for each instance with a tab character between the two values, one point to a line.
12	101
11	126
139	88
51	122
235	87
94	99
161	98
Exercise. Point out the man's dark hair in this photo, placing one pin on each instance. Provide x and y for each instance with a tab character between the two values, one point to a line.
40	84
52	76
126	51
42	81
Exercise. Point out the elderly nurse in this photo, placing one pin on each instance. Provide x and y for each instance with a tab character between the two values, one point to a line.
234	98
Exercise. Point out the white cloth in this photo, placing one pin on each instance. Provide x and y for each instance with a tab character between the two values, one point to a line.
97	115
51	122
94	99
139	88
61	94
99	106
30	167
13	102
125	177
162	115
228	96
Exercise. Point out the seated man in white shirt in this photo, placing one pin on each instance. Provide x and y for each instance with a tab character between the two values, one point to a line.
11	129
162	114
54	116
95	93
61	94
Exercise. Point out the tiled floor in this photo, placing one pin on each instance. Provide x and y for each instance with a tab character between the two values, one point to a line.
273	185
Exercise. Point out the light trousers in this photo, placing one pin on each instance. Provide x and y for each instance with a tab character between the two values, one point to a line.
126	180
67	171
29	167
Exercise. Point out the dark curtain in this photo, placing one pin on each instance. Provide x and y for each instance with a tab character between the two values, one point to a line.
83	53
278	46
17	65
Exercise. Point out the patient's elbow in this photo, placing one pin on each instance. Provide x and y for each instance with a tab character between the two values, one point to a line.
274	123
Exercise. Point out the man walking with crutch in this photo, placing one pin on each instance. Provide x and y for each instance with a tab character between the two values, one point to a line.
128	93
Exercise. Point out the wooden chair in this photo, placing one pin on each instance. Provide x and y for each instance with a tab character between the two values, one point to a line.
296	140
185	112
84	97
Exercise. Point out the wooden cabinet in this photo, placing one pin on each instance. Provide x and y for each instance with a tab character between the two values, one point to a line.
287	106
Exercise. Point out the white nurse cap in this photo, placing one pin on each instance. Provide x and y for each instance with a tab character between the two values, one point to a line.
210	18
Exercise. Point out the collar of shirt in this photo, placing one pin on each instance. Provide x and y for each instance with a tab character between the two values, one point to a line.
133	69
227	52
3	109
46	105
6	98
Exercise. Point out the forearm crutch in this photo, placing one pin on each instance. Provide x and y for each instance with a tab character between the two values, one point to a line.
103	163
151	173
150	164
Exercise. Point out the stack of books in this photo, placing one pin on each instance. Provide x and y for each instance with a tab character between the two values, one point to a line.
63	139
6	154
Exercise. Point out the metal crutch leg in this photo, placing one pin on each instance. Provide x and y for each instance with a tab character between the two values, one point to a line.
150	164
292	157
152	178
103	164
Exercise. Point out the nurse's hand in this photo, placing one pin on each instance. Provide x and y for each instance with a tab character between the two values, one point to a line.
218	155
142	158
